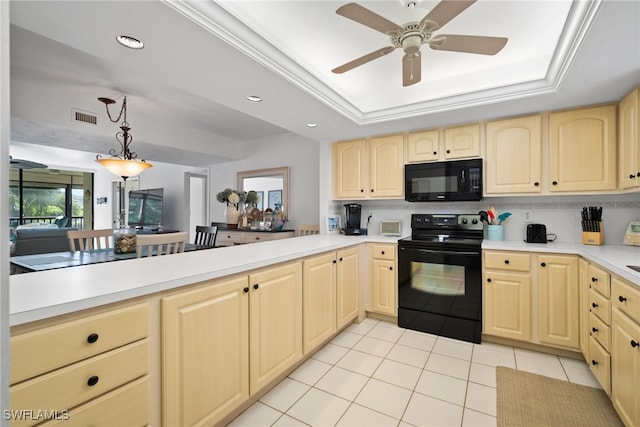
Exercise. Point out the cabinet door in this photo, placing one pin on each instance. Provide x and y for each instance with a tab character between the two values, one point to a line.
514	155
386	160
205	353
583	293
423	146
462	141
384	288
348	285
275	329
350	169
583	149
625	367
629	157
507	305
319	300
558	304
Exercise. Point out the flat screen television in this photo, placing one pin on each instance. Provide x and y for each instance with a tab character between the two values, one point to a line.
145	208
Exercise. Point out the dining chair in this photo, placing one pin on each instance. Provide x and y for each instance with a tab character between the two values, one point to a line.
206	236
160	244
82	240
308	229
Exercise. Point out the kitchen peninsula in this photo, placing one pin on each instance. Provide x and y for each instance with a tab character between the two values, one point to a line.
147	314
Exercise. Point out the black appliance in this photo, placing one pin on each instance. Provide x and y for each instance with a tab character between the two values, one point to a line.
536	233
352	216
459	180
440	276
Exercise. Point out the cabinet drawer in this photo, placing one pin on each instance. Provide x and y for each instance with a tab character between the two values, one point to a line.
387	252
600	331
43	350
600	306
626	297
226	238
125	406
600	364
599	279
70	386
507	261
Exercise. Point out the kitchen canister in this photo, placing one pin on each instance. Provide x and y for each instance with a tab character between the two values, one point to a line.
495	232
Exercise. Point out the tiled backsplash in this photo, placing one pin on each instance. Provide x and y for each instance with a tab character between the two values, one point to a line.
561	214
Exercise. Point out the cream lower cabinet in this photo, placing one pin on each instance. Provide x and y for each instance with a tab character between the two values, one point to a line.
384	279
318	300
226	340
205	352
558	303
330	287
507	295
625	350
82	369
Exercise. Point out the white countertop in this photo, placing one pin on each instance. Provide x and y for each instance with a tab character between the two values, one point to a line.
39	295
614	258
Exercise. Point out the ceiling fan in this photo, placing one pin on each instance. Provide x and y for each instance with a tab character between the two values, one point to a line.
411	36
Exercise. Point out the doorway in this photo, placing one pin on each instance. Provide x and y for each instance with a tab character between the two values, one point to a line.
197	192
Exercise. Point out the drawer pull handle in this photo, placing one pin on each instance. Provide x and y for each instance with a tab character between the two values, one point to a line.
621	298
93	381
594	279
92	338
382	252
489	280
543	264
594	362
506	261
256	286
594	305
246	289
334	261
258	238
340	259
435	153
634	344
594	330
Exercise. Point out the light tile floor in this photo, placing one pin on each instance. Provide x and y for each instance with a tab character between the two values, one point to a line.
377	374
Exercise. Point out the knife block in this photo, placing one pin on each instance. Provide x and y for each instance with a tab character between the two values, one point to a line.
593	237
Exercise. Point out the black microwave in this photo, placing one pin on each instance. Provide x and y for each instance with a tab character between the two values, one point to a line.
456	180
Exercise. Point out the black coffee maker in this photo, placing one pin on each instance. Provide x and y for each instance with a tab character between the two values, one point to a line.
352	215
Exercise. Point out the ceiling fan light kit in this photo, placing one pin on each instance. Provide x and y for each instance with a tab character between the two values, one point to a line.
410	37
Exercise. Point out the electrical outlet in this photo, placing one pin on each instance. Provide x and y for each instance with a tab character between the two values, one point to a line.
527	215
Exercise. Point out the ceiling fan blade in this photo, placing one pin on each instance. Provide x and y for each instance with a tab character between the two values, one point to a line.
446	10
364	16
411	68
469	44
363	59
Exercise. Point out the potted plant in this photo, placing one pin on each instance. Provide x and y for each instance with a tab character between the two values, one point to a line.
232	198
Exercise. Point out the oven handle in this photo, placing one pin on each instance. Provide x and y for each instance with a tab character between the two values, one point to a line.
440	251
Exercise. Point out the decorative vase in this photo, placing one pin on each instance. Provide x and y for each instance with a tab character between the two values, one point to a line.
232	215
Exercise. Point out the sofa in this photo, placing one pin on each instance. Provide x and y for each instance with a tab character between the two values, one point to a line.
30	241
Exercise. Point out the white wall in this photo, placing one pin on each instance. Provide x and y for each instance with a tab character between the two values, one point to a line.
169	177
298	153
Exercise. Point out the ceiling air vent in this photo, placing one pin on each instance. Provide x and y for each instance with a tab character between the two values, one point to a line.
84	117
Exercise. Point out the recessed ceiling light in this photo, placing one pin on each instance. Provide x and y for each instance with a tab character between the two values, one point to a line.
130	42
312	125
254	98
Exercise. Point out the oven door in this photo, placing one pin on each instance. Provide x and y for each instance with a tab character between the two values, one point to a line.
438	288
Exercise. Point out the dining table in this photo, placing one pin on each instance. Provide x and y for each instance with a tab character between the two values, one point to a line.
52	260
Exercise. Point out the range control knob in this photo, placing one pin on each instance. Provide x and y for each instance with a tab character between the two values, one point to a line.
464	220
474	221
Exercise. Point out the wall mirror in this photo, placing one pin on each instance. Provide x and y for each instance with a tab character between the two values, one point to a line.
272	186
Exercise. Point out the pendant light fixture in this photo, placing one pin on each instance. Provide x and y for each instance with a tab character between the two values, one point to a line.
124	162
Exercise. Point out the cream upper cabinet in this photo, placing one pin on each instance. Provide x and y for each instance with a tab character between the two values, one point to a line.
558	302
368	168
347	285
350	169
629	140
462	141
275	324
205	352
582	149
318	300
513	162
423	146
507	290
